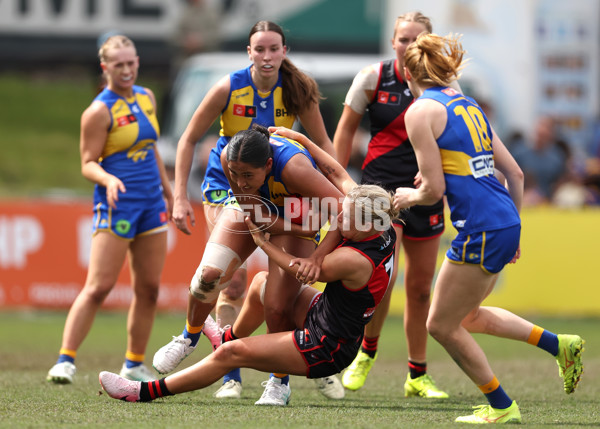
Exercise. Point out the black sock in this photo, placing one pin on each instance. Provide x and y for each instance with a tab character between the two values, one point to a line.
417	369
153	389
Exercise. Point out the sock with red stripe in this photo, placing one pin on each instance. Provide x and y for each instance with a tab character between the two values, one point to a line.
228	335
153	389
369	346
417	369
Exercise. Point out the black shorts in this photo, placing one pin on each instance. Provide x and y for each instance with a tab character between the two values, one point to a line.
422	222
418	222
324	356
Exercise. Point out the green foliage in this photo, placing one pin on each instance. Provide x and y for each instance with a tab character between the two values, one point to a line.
30	342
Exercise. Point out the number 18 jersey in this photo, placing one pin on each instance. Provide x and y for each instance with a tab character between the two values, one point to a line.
477	200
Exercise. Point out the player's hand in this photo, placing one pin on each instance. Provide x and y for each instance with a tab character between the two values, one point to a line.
286	132
113	187
181	210
402	198
309	270
418	179
259	237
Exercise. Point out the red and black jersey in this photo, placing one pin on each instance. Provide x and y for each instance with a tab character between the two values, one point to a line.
342	313
390	160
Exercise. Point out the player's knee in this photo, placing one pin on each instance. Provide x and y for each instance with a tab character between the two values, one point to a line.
437	329
148	293
235	289
277	319
231	351
217	261
97	295
205	284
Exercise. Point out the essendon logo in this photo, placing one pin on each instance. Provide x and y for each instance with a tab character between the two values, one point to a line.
246	111
385	97
126	120
434	219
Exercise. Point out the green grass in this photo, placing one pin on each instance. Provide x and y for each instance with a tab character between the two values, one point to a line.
39	119
30	341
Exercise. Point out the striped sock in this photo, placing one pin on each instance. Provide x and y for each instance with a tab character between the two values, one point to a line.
228	335
369	346
133	359
153	389
543	339
192	332
285	378
495	394
66	355
417	369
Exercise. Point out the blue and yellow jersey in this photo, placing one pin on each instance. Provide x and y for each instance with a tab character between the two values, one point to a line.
129	150
478	201
246	106
274	189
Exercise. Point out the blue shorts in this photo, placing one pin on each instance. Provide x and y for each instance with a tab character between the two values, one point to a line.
491	250
131	218
215	186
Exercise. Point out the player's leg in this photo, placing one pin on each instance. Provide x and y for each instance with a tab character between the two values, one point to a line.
106	259
262	352
565	348
147	254
420	264
228	245
459	290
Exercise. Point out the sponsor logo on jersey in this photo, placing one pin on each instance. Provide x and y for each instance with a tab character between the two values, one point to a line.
246	111
263	104
126	120
482	165
384	97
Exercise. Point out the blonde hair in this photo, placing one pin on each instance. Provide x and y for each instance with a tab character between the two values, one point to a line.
434	60
113	42
373	203
414	17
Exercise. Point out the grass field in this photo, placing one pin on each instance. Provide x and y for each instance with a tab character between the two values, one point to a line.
30	341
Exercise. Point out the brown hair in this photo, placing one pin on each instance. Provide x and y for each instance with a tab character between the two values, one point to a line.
414	17
299	89
117	41
434	60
